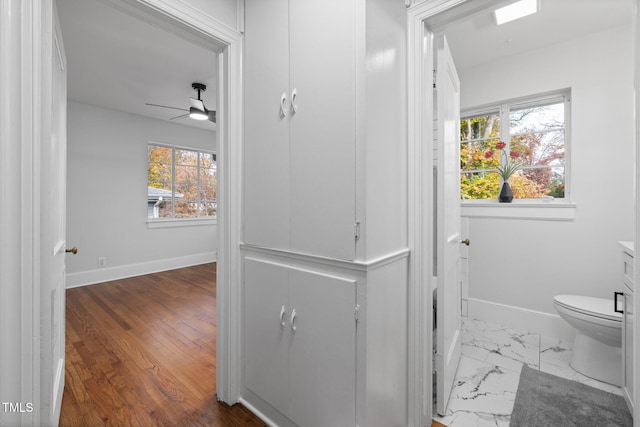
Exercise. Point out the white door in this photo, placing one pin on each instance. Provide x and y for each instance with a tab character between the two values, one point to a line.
322	359
448	222
322	150
266	331
53	230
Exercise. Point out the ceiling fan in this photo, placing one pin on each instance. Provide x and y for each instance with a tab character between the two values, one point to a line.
197	110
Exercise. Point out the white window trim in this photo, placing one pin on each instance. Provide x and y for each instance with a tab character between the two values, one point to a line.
531	209
541	209
181	222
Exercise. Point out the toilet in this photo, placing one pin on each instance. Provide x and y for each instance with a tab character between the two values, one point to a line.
597	349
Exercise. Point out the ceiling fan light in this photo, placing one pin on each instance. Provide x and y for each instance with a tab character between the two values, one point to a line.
196	114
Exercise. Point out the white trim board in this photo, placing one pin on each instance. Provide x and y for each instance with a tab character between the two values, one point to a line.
108	274
362	266
545	324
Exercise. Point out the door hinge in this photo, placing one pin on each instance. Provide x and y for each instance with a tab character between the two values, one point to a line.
356	230
356	313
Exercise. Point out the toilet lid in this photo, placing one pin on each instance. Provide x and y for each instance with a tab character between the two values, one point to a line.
591	306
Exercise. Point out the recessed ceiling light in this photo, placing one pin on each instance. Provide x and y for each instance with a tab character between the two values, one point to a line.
515	11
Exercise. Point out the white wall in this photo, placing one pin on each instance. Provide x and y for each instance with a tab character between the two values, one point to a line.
107	197
225	11
524	263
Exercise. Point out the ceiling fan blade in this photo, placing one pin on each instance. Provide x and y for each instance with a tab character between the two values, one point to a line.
212	116
196	103
166	106
177	117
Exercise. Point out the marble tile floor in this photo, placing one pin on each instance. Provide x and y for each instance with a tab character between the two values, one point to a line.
489	371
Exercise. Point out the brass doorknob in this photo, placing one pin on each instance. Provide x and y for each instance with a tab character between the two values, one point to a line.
465	242
73	250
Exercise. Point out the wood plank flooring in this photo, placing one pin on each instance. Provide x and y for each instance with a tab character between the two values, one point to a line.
141	352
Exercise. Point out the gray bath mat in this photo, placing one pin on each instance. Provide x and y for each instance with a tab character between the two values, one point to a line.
546	400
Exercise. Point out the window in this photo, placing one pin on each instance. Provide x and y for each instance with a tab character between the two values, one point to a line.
534	134
181	183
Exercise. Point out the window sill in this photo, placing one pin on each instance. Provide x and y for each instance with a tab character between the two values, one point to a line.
520	209
183	222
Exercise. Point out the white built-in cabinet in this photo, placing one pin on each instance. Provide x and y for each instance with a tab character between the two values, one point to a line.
627	324
300	134
324	235
300	334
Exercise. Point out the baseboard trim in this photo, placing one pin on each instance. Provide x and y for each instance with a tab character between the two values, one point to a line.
545	324
91	277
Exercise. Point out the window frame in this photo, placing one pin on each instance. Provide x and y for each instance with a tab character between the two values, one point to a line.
526	208
184	221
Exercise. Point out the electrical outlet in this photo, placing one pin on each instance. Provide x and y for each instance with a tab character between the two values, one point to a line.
102	262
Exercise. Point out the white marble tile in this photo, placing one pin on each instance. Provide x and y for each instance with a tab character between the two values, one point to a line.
489	372
483	395
555	356
499	345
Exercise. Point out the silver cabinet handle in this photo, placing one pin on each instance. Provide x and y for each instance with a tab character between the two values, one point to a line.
294	106
282	313
294	328
283	105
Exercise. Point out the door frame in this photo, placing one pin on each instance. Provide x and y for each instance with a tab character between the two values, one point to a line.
636	279
420	225
25	47
420	185
188	19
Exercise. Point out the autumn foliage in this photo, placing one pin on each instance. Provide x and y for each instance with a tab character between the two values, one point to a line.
191	177
534	160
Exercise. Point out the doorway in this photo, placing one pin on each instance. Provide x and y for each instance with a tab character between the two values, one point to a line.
439	17
222	41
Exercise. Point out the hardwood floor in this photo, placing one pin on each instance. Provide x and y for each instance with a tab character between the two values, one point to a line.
141	352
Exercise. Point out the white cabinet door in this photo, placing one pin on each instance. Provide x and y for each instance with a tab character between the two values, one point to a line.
266	332
323	127
322	360
627	348
266	130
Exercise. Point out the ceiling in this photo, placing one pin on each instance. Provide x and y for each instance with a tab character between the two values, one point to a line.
119	61
477	39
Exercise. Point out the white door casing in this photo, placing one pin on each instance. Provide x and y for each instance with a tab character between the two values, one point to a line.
229	163
448	223
420	181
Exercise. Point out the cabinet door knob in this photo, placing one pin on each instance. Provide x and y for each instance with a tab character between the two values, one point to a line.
282	313
294	106
294	327
283	105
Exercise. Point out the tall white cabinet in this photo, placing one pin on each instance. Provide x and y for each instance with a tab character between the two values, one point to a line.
325	259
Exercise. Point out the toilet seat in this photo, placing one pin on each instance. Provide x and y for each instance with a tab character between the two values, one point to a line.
589	306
